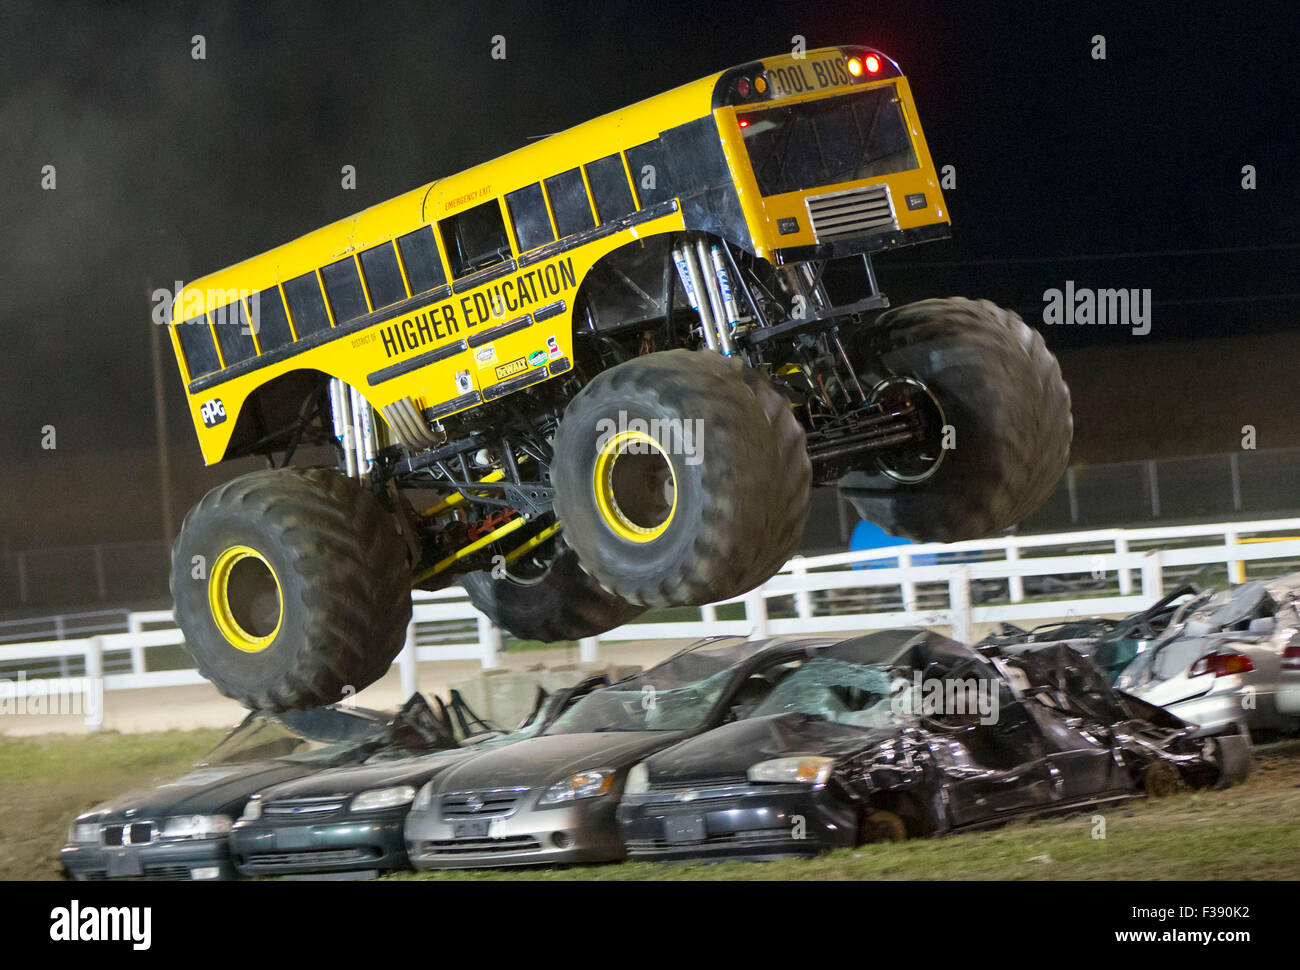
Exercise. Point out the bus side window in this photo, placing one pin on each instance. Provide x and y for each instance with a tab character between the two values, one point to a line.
475	239
234	335
649	167
306	304
272	323
528	213
569	202
196	342
383	276
343	284
420	257
609	188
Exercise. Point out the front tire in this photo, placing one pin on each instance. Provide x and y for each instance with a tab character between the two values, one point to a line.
681	478
292	587
999	391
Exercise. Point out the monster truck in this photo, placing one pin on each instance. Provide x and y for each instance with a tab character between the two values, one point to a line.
597	375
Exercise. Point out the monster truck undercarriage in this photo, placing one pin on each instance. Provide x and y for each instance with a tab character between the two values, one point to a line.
568	507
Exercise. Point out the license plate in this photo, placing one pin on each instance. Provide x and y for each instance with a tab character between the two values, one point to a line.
293	838
123	863
473	829
688	828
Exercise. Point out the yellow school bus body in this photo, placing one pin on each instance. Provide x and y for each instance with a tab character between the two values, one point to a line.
356	353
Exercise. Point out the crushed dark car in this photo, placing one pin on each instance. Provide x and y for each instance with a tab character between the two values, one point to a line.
906	733
180	828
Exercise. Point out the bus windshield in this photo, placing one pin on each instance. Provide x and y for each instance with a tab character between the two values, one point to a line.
841	138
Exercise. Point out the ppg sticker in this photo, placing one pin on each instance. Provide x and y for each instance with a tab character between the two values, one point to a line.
552	347
212	412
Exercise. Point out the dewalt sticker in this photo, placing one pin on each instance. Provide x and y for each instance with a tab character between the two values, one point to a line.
512	368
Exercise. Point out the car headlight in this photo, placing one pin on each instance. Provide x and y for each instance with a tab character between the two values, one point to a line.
585	784
378	798
423	798
196	826
83	833
805	771
638	780
253	810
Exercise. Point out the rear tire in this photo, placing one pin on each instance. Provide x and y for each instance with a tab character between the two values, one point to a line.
999	389
662	524
292	587
563	604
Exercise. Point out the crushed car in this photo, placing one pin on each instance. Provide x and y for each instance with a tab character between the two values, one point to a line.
906	733
552	799
348	822
180	828
1110	644
1228	662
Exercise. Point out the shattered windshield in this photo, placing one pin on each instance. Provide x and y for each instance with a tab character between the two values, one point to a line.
676	695
860	695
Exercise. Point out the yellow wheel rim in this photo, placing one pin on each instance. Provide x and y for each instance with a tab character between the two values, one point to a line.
241	587
636	486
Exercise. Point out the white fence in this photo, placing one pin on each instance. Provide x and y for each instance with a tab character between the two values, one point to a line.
928	585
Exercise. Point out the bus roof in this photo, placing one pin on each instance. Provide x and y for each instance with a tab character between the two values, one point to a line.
617	130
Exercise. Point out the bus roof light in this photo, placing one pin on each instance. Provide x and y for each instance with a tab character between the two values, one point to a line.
873	64
855	66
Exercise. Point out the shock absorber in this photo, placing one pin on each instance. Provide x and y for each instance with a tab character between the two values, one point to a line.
708	288
354	427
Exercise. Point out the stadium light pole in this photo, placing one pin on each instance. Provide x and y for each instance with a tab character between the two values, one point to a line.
160	433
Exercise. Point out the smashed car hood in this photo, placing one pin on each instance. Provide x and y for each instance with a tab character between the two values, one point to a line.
730	751
207	790
350	779
549	758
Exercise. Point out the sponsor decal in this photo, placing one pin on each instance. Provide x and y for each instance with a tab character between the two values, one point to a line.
463	382
490	304
212	412
537	358
512	368
485	356
553	347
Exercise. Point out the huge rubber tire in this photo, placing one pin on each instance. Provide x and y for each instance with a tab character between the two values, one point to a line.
742	484
334	611
563	604
1000	390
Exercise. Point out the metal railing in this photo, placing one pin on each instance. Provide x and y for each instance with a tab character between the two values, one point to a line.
915	585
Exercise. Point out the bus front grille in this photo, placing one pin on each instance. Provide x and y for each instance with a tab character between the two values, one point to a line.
853	212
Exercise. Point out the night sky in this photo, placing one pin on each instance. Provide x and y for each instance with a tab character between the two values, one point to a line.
169	168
